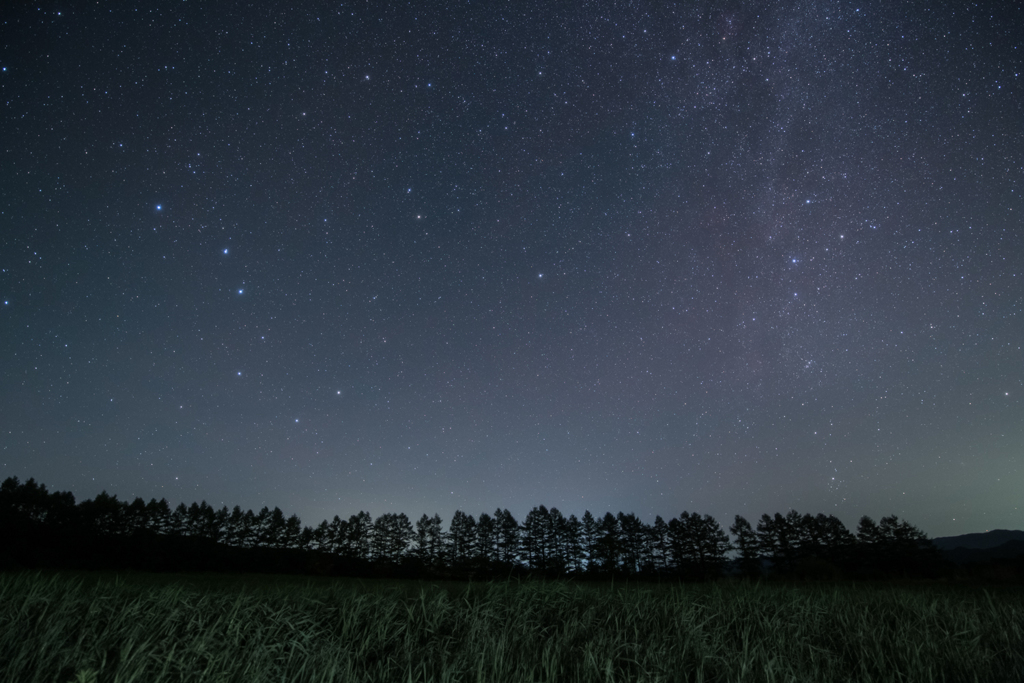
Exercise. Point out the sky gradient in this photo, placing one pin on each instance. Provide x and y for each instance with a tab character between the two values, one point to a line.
729	258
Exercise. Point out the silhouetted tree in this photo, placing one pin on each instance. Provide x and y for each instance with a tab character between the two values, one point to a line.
249	531
608	546
822	546
573	547
777	539
895	548
291	537
278	529
430	541
814	546
556	538
308	539
220	521
633	537
336	538
158	516
508	537
104	514
588	540
177	523
321	534
461	538
135	516
357	539
534	538
202	522
747	545
486	539
838	540
37	527
659	545
391	536
193	520
698	545
31	502
233	529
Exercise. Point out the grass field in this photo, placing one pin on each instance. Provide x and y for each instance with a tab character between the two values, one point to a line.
148	628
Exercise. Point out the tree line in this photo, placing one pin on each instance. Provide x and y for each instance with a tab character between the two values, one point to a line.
40	528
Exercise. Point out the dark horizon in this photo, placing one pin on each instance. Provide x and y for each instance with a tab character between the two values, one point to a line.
48	530
976	540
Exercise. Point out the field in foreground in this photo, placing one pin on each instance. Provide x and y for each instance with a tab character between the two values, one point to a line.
147	628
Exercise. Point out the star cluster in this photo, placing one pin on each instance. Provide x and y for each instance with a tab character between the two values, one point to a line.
715	257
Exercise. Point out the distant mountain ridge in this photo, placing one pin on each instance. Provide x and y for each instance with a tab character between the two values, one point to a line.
979	541
998	544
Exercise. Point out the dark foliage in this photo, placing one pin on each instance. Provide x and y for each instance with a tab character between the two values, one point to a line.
39	529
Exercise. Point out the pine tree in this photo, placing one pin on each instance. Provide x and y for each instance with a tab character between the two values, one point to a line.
430	540
486	538
357	541
461	538
746	543
608	545
508	537
658	544
634	537
588	540
535	538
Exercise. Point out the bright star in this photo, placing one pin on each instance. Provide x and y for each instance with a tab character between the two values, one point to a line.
159	207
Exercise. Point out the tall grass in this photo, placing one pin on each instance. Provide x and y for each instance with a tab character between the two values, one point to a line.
61	628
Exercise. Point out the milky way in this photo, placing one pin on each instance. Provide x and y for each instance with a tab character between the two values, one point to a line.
730	258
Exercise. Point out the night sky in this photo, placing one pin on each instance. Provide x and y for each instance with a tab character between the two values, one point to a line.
722	257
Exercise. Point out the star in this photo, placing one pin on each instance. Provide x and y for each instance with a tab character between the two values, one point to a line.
718	174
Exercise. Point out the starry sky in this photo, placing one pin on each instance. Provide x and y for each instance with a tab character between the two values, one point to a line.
649	257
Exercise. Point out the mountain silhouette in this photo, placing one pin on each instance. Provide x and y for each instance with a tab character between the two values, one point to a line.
979	541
